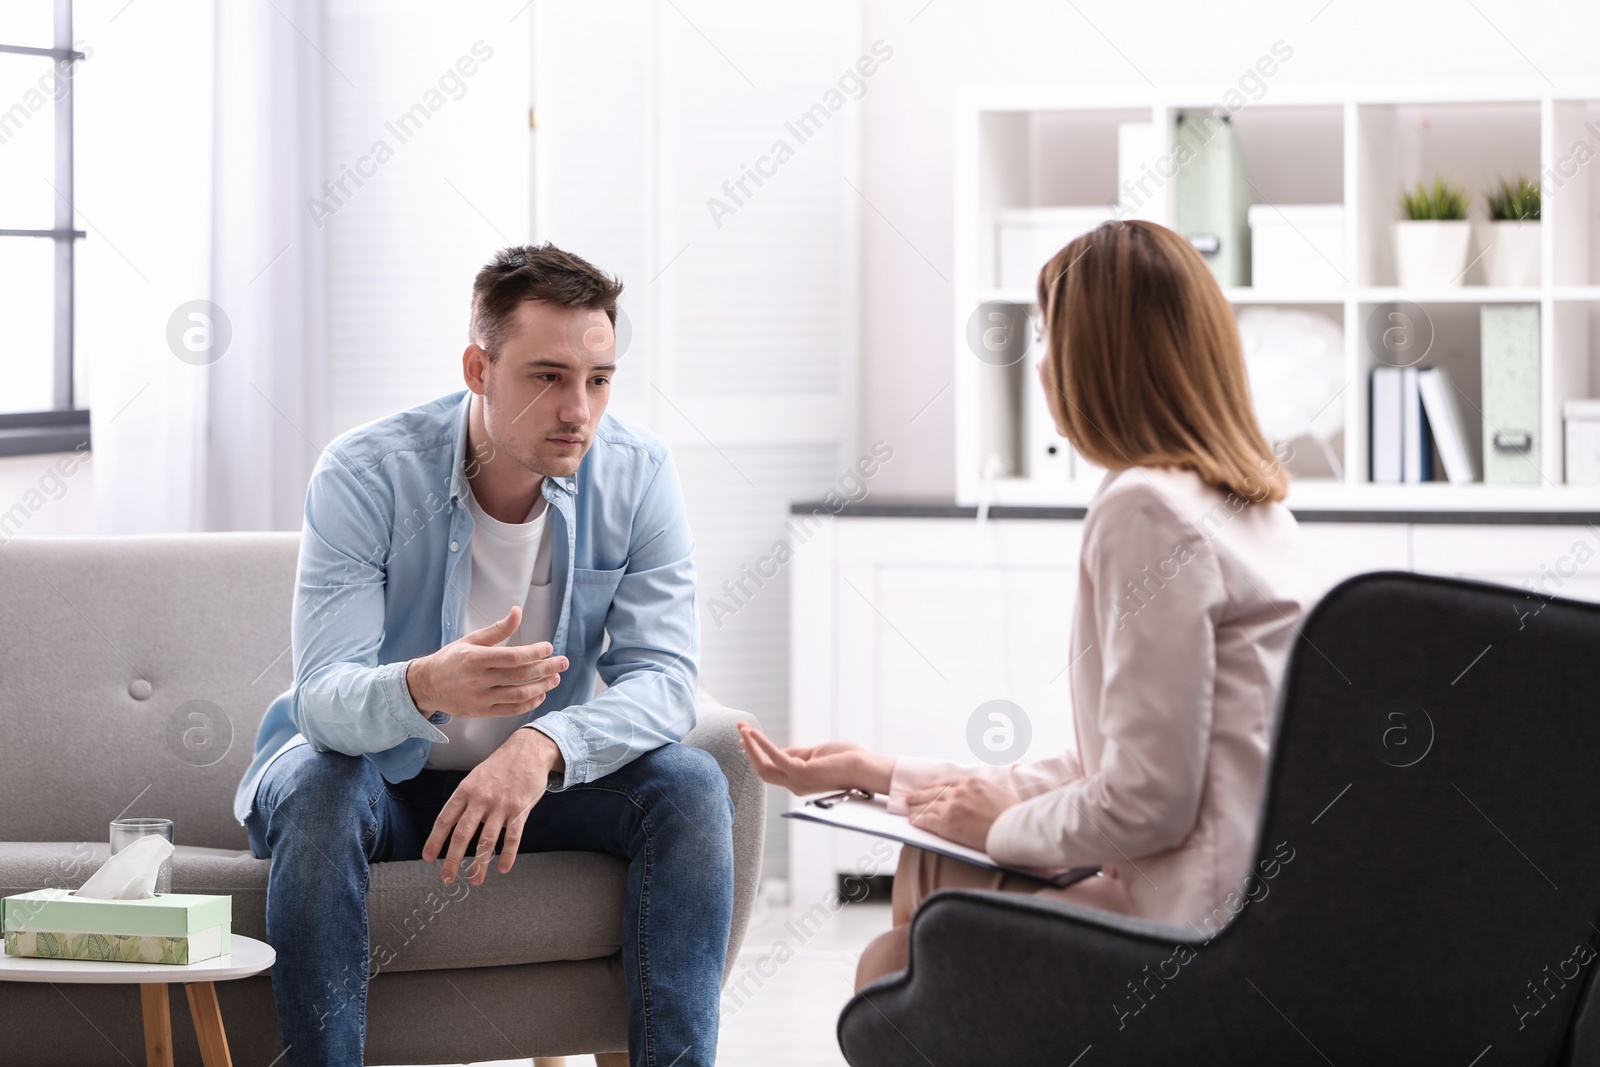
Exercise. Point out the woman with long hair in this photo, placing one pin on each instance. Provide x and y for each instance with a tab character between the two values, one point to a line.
1191	588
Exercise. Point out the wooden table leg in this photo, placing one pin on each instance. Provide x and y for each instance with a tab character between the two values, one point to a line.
207	1018
157	1024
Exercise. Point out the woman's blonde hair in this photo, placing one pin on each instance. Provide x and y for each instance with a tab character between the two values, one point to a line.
1143	366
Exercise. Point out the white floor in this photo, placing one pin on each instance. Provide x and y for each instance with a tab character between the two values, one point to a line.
794	974
787	1019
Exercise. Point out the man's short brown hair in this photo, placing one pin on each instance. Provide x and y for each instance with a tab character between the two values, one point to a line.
535	272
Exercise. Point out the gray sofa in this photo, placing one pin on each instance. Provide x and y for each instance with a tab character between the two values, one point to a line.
133	674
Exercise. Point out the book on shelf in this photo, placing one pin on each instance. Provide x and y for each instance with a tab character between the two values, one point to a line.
1385	425
1416	462
1418	433
1443	415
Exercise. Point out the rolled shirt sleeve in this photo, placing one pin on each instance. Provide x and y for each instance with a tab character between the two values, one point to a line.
344	700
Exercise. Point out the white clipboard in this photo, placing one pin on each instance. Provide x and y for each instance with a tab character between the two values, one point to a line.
864	813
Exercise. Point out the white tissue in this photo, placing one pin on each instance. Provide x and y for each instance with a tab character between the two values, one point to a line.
131	873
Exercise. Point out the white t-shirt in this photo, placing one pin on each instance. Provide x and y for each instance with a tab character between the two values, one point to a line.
510	565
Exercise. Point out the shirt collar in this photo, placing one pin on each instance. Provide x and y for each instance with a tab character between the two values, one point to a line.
458	472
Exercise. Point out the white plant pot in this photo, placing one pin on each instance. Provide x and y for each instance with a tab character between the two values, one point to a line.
1431	253
1513	258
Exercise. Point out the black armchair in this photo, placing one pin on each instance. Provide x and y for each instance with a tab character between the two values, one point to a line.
1427	888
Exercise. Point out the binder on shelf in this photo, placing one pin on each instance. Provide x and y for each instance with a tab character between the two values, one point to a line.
1050	457
1416	450
1211	196
1449	428
1509	341
1402	446
1385	425
1418	442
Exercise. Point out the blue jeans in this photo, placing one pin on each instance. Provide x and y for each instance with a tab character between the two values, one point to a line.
667	813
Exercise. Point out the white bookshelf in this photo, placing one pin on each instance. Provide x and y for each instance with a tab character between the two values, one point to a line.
1355	145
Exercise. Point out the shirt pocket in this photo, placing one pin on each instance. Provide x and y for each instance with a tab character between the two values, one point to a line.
592	592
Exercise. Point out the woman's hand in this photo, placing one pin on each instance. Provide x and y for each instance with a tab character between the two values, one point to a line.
959	810
822	768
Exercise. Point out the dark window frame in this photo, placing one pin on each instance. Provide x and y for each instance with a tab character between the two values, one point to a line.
63	428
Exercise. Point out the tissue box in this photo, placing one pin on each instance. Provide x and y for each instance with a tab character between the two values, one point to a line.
172	928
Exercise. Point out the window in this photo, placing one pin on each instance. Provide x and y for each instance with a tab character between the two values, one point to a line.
39	405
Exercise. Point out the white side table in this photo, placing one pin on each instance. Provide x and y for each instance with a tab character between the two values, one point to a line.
248	956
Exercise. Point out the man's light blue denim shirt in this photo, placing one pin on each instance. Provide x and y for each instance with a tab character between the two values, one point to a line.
385	567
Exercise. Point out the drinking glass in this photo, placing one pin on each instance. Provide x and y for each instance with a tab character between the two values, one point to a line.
125	832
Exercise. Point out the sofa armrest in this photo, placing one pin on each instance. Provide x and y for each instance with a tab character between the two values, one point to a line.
715	732
1011	978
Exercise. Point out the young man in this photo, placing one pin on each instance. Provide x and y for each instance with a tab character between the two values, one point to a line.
460	565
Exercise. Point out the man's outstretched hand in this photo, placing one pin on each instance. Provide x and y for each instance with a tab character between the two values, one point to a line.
495	795
476	676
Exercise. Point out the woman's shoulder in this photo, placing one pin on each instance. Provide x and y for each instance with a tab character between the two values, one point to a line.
1143	510
1176	493
1175	497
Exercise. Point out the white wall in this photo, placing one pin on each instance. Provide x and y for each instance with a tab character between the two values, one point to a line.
143	150
400	249
907	125
46	496
383	359
441	194
656	157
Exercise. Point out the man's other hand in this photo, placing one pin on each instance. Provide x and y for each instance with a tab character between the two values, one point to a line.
495	795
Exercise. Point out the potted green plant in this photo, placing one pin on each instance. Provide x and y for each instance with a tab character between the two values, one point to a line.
1430	242
1513	257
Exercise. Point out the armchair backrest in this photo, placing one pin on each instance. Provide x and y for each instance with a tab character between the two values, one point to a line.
1435	784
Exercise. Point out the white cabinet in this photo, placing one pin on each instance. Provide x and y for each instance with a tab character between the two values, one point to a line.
1336	550
902	626
949	639
1548	560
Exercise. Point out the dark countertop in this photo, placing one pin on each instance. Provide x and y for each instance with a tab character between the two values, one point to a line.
935	509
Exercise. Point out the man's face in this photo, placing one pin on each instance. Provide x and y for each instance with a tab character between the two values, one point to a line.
545	392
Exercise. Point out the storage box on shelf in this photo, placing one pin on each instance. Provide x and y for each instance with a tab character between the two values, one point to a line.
1583	442
1326	165
1296	248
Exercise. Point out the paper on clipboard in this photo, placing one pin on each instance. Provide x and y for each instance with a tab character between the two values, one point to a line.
869	814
